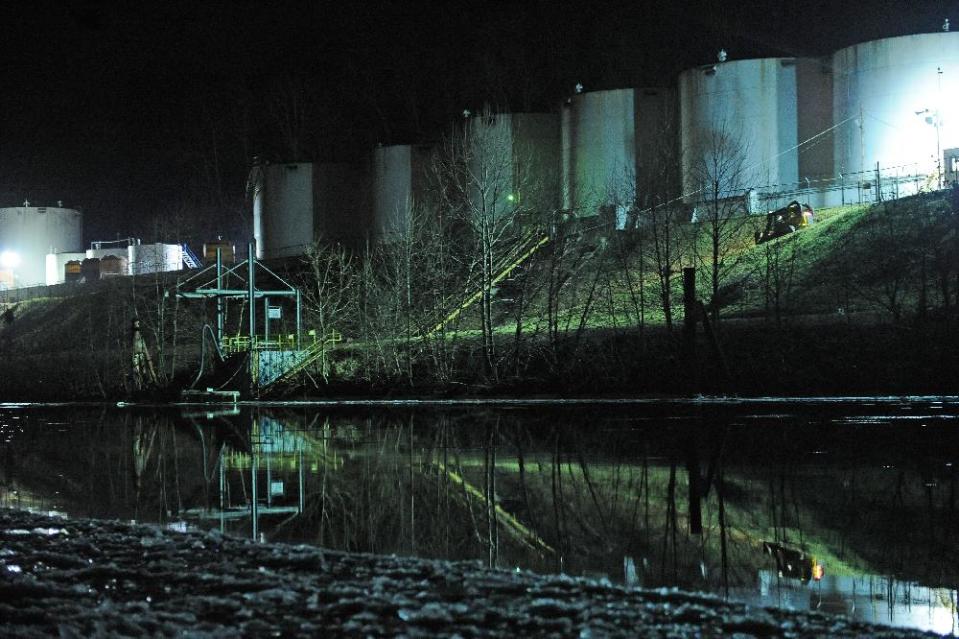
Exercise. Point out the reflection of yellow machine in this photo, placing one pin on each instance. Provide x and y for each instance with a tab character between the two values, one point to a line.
793	562
791	217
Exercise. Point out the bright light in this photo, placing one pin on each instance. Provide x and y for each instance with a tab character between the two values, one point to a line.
9	259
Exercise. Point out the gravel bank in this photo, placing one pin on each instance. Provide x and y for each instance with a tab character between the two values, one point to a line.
81	578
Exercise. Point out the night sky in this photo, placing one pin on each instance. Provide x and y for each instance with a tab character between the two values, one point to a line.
148	118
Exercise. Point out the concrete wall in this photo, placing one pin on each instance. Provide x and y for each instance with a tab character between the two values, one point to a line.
739	124
897	86
33	232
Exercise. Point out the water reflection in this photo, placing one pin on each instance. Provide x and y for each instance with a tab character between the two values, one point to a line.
841	506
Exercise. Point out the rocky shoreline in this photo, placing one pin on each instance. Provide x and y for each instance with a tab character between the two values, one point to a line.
76	577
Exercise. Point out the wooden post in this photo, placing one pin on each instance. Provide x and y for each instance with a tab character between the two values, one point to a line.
690	316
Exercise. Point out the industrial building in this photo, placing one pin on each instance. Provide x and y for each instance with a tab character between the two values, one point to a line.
115	258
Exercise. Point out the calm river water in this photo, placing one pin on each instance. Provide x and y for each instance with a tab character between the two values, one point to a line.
846	505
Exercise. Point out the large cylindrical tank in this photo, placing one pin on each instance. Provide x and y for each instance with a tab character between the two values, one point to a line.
154	258
739	127
283	209
613	143
31	232
906	90
399	184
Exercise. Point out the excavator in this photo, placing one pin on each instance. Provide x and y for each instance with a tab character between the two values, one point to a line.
789	218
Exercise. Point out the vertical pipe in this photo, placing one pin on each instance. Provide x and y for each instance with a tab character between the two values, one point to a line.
266	319
222	491
254	507
219	298
299	326
251	289
269	482
302	498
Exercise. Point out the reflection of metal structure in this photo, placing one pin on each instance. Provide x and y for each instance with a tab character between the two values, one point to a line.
144	374
274	453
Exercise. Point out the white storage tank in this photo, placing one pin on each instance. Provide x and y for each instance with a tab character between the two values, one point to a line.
296	203
29	233
283	209
613	142
907	92
739	126
154	258
399	183
515	158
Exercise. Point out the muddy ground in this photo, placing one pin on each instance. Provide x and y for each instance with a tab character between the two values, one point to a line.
82	578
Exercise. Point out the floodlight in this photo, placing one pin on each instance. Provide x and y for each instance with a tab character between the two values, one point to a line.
9	259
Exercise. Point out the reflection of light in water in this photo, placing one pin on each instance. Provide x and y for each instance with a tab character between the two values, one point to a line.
36	531
937	400
869	598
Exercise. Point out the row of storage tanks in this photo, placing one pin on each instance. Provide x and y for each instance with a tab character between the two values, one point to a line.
878	115
44	246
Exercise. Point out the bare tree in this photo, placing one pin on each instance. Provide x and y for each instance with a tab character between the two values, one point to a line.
719	167
480	183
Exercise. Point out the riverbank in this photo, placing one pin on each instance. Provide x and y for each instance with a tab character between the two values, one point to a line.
71	577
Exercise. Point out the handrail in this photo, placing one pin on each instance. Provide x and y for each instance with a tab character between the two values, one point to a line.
503	274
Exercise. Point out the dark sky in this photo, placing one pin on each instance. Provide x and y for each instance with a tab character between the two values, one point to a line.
139	114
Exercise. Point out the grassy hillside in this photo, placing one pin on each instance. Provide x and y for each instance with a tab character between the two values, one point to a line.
863	300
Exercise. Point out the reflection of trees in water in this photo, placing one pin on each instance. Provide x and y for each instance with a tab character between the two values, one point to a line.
104	464
562	495
547	490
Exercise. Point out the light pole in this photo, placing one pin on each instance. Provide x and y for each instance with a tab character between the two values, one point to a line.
932	118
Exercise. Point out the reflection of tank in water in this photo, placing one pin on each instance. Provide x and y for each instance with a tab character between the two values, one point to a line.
793	562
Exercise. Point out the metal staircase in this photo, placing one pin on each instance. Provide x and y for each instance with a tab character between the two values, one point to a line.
504	267
190	260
